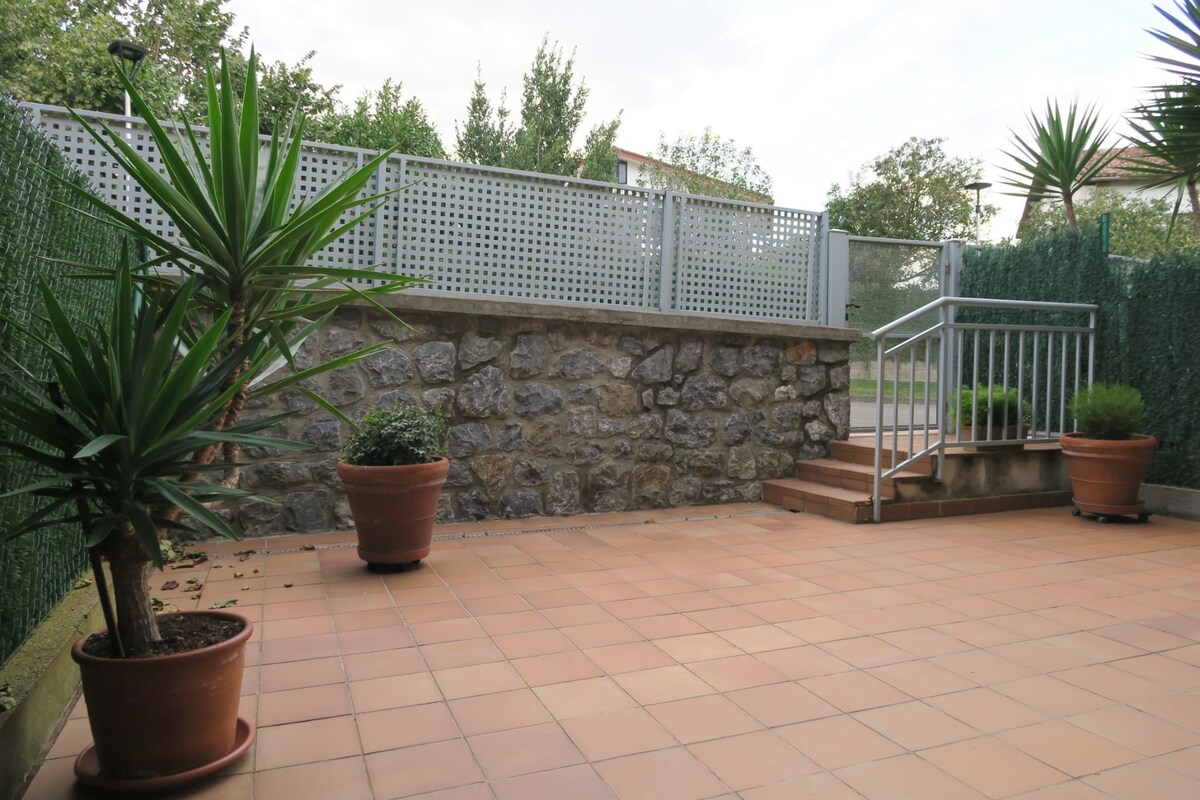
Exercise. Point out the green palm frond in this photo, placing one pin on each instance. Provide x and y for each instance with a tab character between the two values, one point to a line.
1062	153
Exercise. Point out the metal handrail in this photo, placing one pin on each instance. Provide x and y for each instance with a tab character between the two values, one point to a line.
951	337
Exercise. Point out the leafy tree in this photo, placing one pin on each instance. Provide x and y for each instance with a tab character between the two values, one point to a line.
56	52
1062	155
484	138
382	120
914	191
1139	226
552	109
707	165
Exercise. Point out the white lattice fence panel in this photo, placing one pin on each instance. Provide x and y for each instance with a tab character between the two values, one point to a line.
746	260
493	232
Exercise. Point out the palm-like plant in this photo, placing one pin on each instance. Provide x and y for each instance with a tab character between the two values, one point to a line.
239	233
1062	154
117	428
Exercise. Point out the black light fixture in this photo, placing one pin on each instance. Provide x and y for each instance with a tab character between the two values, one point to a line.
127	56
977	187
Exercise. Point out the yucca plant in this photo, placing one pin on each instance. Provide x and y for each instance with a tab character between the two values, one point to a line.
117	428
246	237
1062	155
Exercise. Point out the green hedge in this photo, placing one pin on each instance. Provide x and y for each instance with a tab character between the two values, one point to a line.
1147	323
37	222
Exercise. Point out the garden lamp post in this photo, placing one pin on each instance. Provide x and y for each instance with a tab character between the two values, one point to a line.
128	57
977	187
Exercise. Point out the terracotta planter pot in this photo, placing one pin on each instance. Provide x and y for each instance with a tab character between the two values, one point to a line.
1106	475
394	508
161	721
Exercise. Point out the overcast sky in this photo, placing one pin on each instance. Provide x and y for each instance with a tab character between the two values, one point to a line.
815	87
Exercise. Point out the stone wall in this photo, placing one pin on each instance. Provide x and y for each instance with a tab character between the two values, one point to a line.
558	410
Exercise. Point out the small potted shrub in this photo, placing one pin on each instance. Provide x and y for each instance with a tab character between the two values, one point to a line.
393	470
1106	457
1003	409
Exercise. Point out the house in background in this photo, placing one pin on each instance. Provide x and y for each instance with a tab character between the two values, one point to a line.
1120	174
634	169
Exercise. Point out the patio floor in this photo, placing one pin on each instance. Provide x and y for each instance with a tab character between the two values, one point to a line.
740	652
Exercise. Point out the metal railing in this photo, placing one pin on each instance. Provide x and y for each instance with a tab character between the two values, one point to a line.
1032	364
483	231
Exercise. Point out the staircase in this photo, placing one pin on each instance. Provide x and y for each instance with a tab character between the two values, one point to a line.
1030	476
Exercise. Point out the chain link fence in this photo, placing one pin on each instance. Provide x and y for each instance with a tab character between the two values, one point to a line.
38	222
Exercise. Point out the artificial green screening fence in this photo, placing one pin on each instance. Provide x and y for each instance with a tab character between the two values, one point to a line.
1148	322
37	222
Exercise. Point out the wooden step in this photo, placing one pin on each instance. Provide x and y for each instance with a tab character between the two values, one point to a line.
849	475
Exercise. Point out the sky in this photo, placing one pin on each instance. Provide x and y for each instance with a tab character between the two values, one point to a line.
816	88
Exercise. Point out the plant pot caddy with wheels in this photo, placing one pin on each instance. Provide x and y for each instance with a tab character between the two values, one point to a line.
1105	458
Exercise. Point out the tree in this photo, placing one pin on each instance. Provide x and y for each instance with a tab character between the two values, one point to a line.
56	52
1140	227
552	109
914	191
382	120
707	165
1063	155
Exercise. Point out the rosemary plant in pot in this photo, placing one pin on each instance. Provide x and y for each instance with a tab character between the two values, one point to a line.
1106	458
176	375
393	470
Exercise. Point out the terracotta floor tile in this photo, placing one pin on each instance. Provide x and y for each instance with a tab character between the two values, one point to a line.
450	630
556	668
866	651
617	733
299	626
498	712
982	667
697	647
1048	694
298	705
573	616
344	778
797	663
698	719
423	768
820	629
915	725
382	663
362	620
1145	780
993	767
664	626
463	653
722	619
393	728
305	742
1068	748
601	634
1162	670
759	638
516	622
877	780
637	607
478	679
819	786
373	639
299	649
297	608
393	692
473	791
781	704
854	691
1181	708
582	698
520	751
662	685
434	612
619	658
736	672
921	679
1108	681
752	759
672	774
837	741
1141	732
986	710
577	783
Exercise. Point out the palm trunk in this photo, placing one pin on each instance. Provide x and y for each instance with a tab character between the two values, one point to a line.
1194	198
131	587
1069	207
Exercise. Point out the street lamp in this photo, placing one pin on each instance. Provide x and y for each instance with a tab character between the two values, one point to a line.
128	57
977	187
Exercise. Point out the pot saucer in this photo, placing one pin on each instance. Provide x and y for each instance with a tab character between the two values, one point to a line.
87	767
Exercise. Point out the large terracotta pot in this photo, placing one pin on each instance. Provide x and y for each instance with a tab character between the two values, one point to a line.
1106	474
161	721
394	508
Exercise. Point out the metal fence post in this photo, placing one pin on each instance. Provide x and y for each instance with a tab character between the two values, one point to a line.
835	278
666	272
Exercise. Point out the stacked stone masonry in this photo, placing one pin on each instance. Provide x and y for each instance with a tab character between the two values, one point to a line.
559	416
